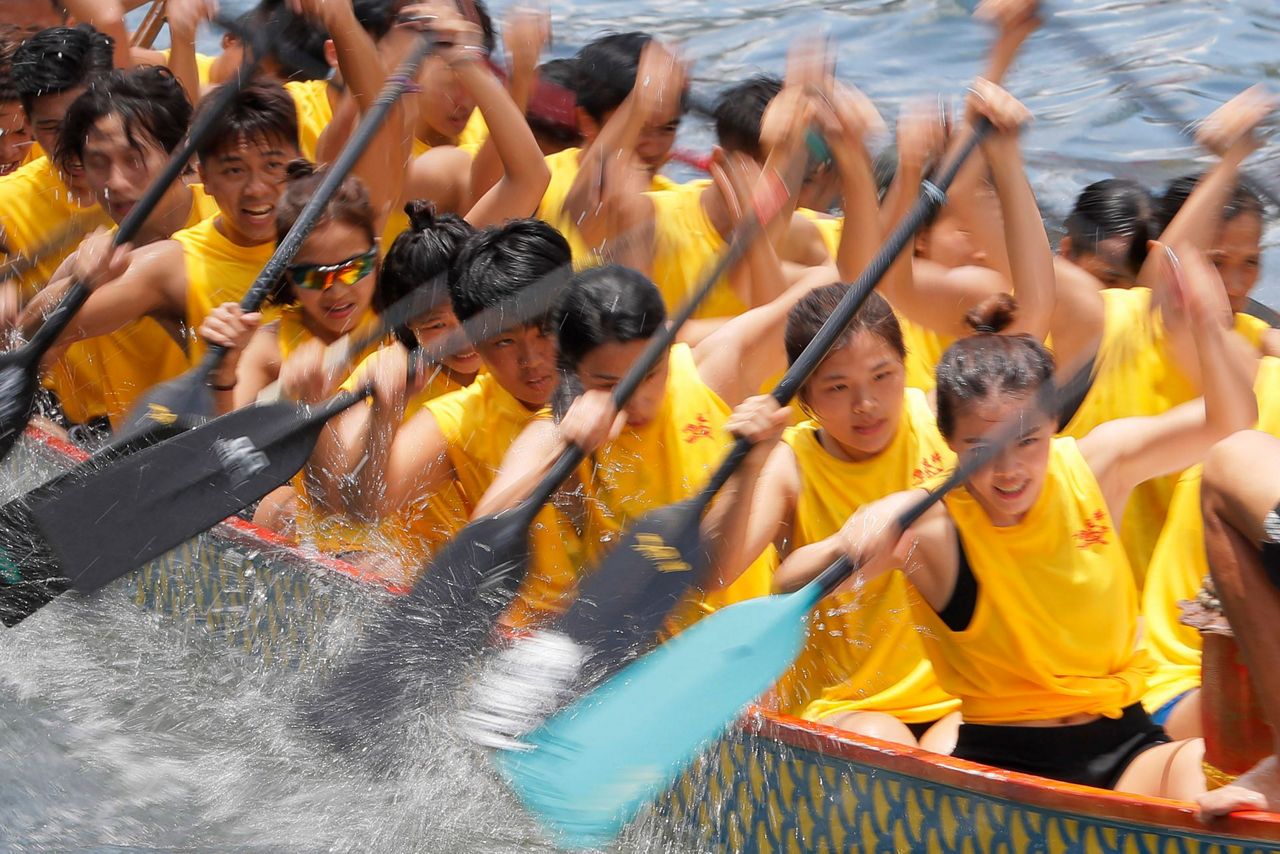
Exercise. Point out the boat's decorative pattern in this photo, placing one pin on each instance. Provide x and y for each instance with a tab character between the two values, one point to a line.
758	794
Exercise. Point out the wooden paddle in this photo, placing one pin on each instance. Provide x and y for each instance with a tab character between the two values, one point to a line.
188	396
449	614
588	770
20	368
623	604
115	513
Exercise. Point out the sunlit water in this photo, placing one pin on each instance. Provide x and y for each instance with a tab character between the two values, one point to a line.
120	732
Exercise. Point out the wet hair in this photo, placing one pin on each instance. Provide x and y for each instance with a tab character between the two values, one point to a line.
350	205
989	363
297	44
559	126
59	59
1243	201
807	316
606	304
1112	207
739	113
606	71
421	252
149	100
500	261
261	110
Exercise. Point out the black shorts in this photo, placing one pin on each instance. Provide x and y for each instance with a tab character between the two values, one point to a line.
1092	754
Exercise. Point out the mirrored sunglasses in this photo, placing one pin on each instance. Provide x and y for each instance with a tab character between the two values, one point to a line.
319	277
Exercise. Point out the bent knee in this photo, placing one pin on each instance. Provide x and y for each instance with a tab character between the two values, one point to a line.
873	724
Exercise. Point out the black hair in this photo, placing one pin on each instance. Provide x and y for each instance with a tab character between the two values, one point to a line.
604	304
739	112
149	100
262	110
421	252
1112	207
808	315
990	363
297	44
556	77
349	204
487	35
500	261
1243	201
59	59
8	91
606	71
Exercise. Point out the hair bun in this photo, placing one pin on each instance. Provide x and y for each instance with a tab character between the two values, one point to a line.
422	214
993	315
300	168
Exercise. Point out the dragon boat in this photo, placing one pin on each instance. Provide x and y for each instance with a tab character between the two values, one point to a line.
773	784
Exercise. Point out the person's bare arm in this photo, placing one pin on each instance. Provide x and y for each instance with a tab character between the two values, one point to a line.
769	523
107	17
184	17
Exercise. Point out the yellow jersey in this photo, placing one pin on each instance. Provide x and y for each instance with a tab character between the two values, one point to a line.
43	223
1134	375
1179	566
204	65
686	245
217	271
315	112
1252	328
1055	628
105	375
830	227
924	350
564	166
864	651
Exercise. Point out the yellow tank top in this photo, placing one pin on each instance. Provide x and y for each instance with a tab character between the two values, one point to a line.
1055	628
34	153
474	134
105	375
1179	566
830	227
1252	328
42	220
204	65
864	651
924	350
217	271
311	98
686	244
1135	376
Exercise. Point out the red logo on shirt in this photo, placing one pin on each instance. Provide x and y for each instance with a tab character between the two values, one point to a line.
929	467
697	429
1094	532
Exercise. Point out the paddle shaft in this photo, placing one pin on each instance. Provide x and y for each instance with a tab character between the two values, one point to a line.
933	195
740	241
334	175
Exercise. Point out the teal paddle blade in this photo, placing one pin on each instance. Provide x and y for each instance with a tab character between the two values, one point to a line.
594	765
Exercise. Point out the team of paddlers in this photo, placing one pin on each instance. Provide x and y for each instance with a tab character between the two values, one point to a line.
1029	621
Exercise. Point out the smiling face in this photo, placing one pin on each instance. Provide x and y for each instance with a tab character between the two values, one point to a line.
119	170
434	326
15	136
1237	253
856	395
337	309
246	178
1009	485
604	367
45	117
523	361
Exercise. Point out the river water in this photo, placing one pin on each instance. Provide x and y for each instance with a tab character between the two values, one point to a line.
119	734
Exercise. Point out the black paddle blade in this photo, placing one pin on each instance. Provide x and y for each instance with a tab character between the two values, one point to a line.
184	399
19	382
30	577
430	635
141	505
622	606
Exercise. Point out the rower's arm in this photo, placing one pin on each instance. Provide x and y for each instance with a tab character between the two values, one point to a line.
861	235
401	464
524	170
107	17
769	522
528	459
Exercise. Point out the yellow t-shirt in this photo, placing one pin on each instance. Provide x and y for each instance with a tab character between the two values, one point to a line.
105	375
42	221
1179	566
686	245
217	271
1135	375
1055	628
564	170
864	651
311	98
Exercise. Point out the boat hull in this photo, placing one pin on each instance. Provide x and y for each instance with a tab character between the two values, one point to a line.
774	784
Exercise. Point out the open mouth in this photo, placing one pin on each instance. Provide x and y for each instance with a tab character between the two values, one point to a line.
340	311
1011	493
259	215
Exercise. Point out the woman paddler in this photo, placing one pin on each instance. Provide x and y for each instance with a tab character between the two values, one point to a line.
1022	589
869	434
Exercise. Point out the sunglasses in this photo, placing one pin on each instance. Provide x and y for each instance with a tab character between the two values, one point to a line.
320	277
